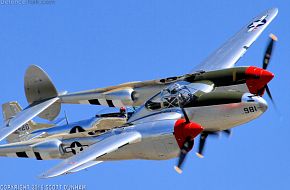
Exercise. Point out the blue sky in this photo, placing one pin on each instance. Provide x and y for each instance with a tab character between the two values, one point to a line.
90	44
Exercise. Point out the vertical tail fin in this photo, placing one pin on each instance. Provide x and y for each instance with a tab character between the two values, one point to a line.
9	110
38	87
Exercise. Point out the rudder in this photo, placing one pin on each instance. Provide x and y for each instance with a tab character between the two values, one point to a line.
9	110
38	87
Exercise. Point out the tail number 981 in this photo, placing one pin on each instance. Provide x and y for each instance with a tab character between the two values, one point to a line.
250	109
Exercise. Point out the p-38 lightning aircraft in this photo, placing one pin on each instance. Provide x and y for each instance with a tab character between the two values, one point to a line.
172	112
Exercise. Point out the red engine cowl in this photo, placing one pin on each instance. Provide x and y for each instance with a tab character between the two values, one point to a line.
257	79
183	130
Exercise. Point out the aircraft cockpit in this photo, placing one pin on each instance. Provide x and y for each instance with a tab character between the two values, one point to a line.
175	95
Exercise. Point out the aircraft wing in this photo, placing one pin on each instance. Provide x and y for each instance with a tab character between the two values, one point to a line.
230	52
93	152
24	116
84	166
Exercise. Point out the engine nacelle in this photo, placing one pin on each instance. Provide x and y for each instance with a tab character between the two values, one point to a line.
121	97
48	149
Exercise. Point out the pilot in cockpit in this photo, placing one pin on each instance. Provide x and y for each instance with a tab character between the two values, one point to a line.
175	95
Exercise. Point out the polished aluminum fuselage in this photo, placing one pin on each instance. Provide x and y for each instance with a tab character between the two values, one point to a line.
158	141
97	123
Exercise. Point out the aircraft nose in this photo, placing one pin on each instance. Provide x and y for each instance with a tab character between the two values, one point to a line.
259	102
263	106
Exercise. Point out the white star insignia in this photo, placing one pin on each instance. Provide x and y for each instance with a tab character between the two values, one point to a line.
257	23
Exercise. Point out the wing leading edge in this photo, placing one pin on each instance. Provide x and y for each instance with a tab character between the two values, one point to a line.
24	116
84	159
231	51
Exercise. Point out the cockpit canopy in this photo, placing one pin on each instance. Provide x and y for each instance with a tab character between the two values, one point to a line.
175	95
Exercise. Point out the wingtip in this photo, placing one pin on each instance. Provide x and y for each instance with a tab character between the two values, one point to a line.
46	176
42	176
274	10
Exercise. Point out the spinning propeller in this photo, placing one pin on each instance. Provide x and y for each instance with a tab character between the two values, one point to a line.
185	131
266	76
203	137
266	61
186	147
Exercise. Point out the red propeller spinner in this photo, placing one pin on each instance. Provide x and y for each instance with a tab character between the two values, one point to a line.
185	131
257	79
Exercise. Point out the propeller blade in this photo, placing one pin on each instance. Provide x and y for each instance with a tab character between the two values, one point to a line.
181	159
269	93
268	53
202	141
228	132
272	100
188	144
270	96
203	137
185	115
